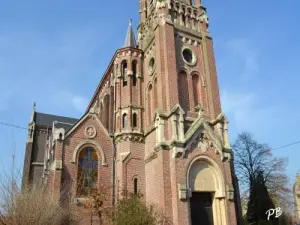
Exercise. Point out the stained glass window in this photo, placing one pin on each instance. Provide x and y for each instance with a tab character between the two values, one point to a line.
87	172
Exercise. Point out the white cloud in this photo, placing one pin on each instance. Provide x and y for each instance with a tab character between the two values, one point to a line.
244	52
68	101
247	113
80	103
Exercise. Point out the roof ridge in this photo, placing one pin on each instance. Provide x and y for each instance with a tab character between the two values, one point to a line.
57	115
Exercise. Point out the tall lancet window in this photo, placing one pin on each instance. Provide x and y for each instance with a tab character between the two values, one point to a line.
134	77
196	89
124	73
183	91
87	175
124	121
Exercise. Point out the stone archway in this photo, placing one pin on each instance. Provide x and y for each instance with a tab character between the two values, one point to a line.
91	143
206	183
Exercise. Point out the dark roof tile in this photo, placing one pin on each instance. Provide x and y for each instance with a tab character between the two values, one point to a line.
43	119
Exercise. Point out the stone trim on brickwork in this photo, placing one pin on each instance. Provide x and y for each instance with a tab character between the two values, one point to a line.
89	143
88	115
133	136
218	184
150	157
200	134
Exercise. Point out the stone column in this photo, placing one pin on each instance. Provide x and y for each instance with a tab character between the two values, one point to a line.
174	127
181	128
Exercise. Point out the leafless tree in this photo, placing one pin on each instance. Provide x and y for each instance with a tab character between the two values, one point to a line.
27	206
252	157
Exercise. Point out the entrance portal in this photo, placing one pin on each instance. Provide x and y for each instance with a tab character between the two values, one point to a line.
201	208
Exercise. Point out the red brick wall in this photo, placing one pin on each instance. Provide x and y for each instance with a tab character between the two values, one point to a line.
71	142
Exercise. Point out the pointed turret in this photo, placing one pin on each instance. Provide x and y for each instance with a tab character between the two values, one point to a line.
33	113
130	38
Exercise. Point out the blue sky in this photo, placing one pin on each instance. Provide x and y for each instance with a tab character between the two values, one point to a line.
55	52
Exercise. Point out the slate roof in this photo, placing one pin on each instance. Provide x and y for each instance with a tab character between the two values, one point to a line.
44	119
130	38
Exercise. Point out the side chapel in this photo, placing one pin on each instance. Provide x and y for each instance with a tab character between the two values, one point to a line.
154	124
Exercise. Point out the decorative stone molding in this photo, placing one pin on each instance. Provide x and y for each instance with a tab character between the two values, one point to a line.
177	152
58	164
85	143
31	132
190	41
183	192
230	192
150	157
219	185
133	136
90	132
124	155
58	134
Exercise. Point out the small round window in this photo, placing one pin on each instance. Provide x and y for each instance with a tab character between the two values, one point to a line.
188	55
151	65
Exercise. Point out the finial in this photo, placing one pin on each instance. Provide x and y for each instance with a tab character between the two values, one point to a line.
34	106
130	37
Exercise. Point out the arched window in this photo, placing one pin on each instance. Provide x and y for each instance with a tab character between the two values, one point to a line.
135	185
101	112
134	77
183	91
155	94
150	104
183	18
196	89
124	73
87	175
124	120
106	112
134	120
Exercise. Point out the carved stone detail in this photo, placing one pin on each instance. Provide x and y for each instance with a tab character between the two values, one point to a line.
90	132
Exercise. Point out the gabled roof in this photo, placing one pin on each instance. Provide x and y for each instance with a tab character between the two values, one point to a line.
44	119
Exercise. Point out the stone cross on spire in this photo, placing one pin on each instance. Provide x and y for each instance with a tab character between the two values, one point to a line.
130	38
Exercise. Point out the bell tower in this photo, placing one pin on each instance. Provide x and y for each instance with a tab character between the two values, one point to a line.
179	64
186	133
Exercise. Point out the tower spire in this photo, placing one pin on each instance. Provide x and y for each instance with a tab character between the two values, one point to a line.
33	112
130	38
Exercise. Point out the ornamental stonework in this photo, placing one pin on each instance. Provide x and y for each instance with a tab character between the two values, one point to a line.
90	132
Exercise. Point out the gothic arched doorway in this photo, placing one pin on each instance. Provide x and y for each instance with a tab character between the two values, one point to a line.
207	201
87	176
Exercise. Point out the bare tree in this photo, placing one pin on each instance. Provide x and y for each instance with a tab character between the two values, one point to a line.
27	206
252	157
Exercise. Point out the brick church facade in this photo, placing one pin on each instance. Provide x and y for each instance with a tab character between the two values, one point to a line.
154	124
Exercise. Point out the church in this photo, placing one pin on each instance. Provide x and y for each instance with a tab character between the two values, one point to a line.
154	125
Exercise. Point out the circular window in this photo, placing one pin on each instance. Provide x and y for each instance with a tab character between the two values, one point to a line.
188	56
151	66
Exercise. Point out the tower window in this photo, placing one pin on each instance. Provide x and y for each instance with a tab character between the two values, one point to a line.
124	122
151	66
124	73
135	187
134	78
188	56
134	120
183	19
